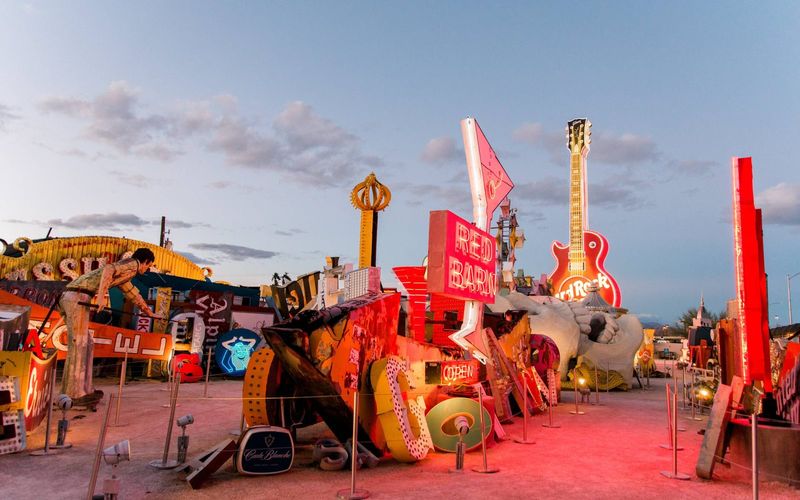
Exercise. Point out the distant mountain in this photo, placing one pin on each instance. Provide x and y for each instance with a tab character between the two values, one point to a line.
653	324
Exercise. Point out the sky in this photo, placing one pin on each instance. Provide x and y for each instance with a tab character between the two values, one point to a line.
246	124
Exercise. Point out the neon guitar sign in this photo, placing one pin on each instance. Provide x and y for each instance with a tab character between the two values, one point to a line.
582	261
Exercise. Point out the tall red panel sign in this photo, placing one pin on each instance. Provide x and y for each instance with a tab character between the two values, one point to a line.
754	360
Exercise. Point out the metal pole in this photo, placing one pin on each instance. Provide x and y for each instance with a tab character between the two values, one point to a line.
577	410
208	372
352	493
122	375
164	463
550	404
101	439
596	386
683	388
693	398
789	295
524	439
46	449
675	474
754	439
485	469
608	377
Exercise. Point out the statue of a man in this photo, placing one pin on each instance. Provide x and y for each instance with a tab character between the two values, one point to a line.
74	308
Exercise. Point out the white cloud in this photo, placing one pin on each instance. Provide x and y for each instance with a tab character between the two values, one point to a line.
441	150
301	145
6	116
110	221
623	149
780	204
616	149
234	252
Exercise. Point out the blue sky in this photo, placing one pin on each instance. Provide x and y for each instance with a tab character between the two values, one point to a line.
247	124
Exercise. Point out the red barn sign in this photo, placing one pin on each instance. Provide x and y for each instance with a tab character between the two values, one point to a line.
461	258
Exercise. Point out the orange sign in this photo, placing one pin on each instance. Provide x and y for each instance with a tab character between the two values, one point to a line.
109	341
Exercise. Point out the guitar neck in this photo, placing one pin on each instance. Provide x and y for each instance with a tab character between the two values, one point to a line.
577	215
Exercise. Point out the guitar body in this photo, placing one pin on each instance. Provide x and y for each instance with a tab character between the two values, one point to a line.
571	285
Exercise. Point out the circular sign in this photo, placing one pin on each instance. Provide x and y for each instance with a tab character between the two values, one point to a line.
234	349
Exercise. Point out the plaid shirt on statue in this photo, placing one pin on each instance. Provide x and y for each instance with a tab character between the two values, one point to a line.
124	271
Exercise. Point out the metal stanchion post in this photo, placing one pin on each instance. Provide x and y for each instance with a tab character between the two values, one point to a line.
238	432
485	469
693	399
577	410
608	377
208	372
675	391
671	442
683	388
524	439
596	387
164	463
754	453
122	375
352	493
550	404
46	450
101	439
675	474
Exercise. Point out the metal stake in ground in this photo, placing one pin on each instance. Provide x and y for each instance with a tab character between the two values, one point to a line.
164	463
693	398
675	474
485	469
577	410
551	401
596	387
46	450
754	452
671	443
352	493
101	440
524	439
122	375
208	372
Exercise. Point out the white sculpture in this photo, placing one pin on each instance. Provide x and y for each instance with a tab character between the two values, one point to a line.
601	338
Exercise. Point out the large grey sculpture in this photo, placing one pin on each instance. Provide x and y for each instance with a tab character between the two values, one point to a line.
598	335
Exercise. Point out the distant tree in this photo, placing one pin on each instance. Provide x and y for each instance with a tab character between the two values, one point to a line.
685	320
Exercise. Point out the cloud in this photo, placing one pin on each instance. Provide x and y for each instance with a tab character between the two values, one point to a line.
623	149
111	221
289	232
615	195
609	148
441	150
200	261
136	180
113	118
300	145
542	192
6	116
180	224
234	252
455	196
691	167
553	142
220	184
780	204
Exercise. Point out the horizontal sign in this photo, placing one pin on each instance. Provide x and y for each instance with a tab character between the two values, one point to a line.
458	372
109	341
461	258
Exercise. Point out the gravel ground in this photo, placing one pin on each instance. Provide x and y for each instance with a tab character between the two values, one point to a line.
610	452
